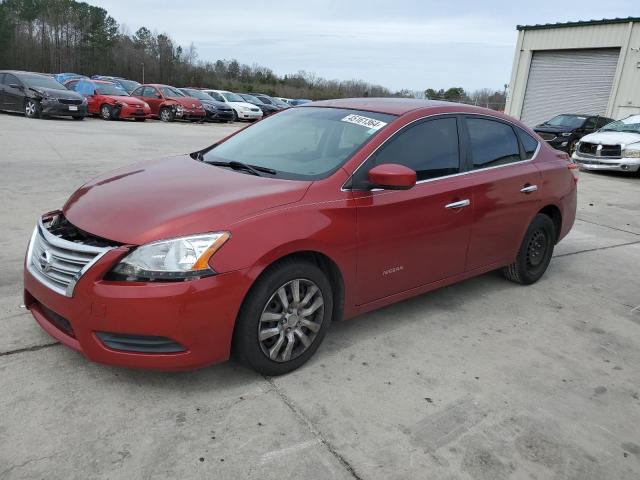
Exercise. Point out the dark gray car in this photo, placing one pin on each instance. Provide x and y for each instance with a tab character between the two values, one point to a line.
37	95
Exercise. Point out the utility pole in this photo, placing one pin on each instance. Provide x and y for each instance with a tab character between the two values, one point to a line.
142	63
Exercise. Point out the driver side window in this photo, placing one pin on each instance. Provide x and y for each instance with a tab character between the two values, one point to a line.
430	148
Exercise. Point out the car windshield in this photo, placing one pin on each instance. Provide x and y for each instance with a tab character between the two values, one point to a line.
301	143
42	81
170	92
195	94
216	96
280	102
631	125
129	85
265	100
250	98
110	89
232	97
571	121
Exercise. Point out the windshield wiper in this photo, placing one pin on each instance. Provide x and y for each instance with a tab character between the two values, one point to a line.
254	169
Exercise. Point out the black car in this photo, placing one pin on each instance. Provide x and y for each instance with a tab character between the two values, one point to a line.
38	96
128	85
215	110
266	108
562	132
264	98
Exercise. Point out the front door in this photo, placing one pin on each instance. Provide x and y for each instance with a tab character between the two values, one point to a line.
13	98
414	237
153	98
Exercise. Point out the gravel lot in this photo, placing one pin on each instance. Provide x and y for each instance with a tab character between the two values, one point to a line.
481	380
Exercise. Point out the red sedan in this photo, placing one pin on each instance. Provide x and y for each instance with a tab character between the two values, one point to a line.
320	213
168	103
109	100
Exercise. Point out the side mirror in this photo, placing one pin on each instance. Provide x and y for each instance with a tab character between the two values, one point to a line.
15	85
392	176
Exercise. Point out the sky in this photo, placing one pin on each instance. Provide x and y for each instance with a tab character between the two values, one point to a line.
399	44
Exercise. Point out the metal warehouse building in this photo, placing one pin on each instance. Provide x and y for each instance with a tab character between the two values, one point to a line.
590	67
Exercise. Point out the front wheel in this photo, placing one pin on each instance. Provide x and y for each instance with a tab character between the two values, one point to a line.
235	116
167	114
535	252
284	318
106	112
32	108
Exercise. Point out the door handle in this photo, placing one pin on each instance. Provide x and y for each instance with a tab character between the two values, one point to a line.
459	204
529	188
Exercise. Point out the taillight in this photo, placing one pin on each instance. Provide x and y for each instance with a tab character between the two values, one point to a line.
575	171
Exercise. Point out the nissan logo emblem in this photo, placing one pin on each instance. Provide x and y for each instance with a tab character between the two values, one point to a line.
46	261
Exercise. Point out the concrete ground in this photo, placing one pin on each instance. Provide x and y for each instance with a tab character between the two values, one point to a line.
481	380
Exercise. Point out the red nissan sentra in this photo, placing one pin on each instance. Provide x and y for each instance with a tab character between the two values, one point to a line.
254	245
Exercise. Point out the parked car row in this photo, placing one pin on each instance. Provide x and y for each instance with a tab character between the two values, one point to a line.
70	94
595	142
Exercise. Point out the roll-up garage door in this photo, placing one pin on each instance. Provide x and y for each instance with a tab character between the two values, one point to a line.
569	81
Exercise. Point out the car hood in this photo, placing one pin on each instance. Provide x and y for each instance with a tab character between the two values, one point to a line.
58	93
172	197
612	138
243	104
552	129
188	102
133	101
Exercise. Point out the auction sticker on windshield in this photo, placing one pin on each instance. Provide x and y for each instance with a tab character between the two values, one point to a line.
366	122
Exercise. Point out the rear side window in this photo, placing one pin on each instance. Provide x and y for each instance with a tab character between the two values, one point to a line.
492	143
529	144
430	148
11	79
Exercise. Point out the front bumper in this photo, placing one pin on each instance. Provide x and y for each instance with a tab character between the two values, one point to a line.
190	114
54	107
607	164
198	315
560	143
220	115
249	115
133	112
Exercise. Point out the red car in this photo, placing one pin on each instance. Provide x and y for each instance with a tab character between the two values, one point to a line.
319	213
168	103
109	100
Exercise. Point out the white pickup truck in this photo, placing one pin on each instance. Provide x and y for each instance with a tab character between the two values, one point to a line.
616	146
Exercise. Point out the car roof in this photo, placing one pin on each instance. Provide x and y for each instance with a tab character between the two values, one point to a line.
399	106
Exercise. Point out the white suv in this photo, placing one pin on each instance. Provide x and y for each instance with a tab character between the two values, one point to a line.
241	109
616	146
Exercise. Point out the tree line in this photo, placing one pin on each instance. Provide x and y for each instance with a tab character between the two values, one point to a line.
54	36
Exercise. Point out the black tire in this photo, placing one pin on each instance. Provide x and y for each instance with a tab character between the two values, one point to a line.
247	346
235	116
167	114
572	147
32	108
78	117
106	112
535	252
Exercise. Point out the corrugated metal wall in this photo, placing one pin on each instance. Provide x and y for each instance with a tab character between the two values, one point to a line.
569	81
625	93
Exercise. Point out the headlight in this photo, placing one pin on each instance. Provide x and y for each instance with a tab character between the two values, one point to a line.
566	134
631	153
169	260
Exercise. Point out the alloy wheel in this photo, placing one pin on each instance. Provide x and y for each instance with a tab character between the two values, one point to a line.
30	108
165	115
105	112
290	320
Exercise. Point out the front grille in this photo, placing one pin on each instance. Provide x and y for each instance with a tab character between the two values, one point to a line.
255	109
547	136
60	253
139	343
67	101
596	150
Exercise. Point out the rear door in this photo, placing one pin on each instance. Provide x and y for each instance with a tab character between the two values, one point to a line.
2	87
505	191
13	98
414	237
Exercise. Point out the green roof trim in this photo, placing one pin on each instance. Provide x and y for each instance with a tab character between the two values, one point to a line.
580	23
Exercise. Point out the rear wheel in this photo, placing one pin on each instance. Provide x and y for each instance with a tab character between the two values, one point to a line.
32	108
284	318
167	114
535	252
106	112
